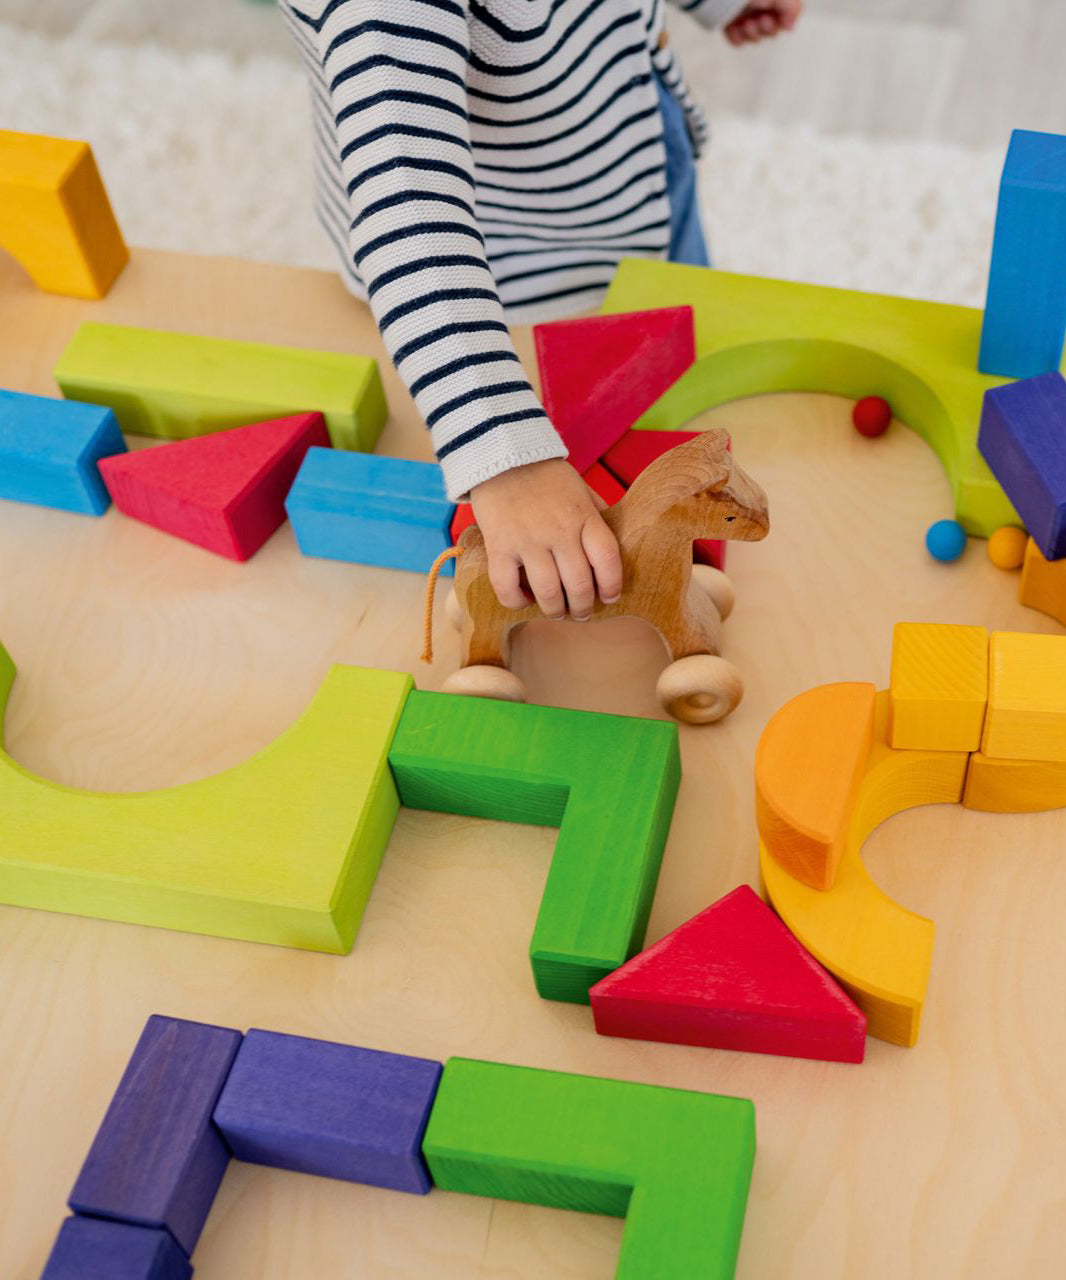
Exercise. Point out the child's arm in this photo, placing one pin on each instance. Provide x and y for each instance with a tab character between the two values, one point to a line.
744	23
396	72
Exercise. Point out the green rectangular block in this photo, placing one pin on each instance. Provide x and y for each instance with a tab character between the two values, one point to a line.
608	782
177	385
676	1164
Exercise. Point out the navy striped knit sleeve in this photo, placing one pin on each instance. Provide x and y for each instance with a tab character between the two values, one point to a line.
396	75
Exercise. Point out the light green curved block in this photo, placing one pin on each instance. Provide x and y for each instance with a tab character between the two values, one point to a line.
283	848
178	385
755	335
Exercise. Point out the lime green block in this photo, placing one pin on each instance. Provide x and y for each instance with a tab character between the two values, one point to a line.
675	1164
608	782
755	335
283	848
177	385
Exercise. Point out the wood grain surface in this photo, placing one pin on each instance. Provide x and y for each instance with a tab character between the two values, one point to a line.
144	661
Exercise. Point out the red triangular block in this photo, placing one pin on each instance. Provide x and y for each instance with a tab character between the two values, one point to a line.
598	375
733	977
225	491
637	449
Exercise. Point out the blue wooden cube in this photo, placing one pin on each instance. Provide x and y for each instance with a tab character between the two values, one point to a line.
369	509
1023	439
157	1159
49	450
1025	307
95	1249
330	1109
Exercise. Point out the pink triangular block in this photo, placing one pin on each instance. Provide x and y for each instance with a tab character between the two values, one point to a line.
598	375
225	491
732	977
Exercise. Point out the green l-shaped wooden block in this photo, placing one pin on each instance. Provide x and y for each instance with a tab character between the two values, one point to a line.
675	1164
177	385
755	335
608	782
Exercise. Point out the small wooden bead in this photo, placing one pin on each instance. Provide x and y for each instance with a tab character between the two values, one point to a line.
1006	547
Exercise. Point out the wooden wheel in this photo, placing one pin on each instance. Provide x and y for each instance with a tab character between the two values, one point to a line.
700	689
718	586
486	682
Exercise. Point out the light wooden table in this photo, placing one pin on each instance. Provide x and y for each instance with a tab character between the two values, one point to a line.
145	662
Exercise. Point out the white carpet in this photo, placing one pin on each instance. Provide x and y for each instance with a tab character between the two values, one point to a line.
204	153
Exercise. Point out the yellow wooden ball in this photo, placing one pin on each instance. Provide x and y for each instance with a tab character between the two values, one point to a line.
1006	547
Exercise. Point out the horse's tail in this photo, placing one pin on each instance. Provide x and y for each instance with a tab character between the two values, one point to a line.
452	553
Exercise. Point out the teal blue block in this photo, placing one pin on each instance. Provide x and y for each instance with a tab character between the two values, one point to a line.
1025	310
49	450
370	509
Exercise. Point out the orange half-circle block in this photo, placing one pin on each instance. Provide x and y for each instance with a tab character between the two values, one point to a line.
808	766
877	950
55	217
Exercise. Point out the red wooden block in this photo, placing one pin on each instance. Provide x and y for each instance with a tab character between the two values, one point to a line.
597	477
637	449
733	977
599	374
225	491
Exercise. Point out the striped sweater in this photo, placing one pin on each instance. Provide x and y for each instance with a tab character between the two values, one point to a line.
477	155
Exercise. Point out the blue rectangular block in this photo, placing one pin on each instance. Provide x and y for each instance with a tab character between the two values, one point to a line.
157	1159
1023	439
1025	308
330	1109
369	509
95	1249
49	450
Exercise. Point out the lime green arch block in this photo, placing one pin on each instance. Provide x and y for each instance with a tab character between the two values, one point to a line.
675	1164
755	335
283	848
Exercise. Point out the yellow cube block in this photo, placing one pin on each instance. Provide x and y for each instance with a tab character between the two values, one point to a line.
1026	717
939	686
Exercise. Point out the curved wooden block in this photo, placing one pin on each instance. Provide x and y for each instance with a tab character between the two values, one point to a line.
755	336
808	766
283	848
1014	786
878	951
55	217
1043	584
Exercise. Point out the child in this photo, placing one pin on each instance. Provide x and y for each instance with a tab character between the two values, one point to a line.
477	155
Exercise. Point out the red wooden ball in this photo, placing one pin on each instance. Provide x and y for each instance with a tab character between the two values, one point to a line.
871	416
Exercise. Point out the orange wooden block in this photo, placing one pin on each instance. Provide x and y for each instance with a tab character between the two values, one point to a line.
808	766
1043	584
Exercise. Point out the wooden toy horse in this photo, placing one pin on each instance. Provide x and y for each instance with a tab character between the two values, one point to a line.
693	491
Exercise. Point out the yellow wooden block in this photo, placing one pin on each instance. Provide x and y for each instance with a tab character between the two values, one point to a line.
1026	717
1043	584
1014	786
283	848
939	687
876	949
55	217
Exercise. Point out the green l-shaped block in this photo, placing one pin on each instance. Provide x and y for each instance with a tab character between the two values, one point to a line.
608	782
675	1164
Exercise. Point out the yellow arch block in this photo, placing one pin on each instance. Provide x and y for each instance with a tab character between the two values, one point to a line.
55	217
877	950
283	848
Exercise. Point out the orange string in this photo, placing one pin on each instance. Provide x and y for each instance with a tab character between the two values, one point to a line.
452	553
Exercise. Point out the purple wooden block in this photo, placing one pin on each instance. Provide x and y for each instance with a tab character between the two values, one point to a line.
1023	440
95	1249
330	1109
157	1159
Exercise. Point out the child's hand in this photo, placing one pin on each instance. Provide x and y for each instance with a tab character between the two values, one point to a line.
762	19
541	521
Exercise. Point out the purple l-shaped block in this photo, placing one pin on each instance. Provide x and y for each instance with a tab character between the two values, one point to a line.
96	1249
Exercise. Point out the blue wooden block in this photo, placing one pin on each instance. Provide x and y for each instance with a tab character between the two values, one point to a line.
370	509
95	1249
157	1159
330	1109
49	450
1023	440
1025	309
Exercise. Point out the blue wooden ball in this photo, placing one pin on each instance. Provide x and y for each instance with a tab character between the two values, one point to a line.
945	540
